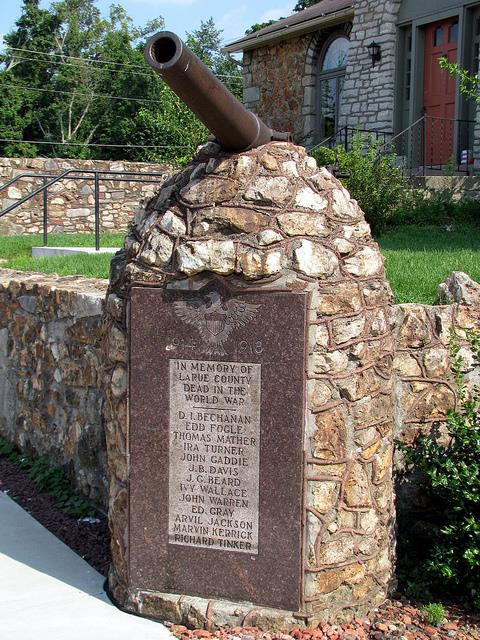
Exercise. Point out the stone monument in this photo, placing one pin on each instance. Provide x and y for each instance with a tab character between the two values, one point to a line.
249	417
249	427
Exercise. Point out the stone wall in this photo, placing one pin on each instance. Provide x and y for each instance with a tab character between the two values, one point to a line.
51	397
273	84
52	393
280	82
46	311
369	92
459	186
71	202
425	388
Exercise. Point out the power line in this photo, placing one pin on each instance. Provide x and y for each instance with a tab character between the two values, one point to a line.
73	93
92	60
61	55
82	66
96	144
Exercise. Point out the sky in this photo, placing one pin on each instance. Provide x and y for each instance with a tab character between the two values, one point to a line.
232	16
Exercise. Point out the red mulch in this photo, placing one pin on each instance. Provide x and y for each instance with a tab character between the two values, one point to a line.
395	620
90	540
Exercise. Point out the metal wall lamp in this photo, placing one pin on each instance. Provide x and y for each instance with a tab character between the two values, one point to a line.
374	51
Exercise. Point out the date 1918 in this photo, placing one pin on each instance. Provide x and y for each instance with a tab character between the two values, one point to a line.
240	349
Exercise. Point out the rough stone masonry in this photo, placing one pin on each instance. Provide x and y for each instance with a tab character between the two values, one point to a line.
271	217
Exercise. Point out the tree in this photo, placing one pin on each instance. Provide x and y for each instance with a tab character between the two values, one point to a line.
260	25
65	60
206	43
71	76
304	4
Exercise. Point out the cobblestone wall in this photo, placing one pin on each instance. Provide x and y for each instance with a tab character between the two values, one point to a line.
51	397
273	84
71	202
280	82
52	394
425	385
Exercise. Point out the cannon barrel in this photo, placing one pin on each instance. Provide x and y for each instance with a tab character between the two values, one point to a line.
235	128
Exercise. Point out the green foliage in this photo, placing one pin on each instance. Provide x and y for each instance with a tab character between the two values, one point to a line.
450	558
469	84
437	207
434	613
260	25
50	479
373	180
325	156
386	195
304	4
206	43
63	65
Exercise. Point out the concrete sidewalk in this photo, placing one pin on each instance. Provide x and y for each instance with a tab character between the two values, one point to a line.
48	592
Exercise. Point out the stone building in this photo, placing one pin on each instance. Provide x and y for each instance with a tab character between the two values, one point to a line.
373	65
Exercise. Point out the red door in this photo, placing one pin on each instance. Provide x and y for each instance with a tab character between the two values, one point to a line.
439	90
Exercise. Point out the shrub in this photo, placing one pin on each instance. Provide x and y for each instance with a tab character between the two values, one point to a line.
50	479
385	193
450	557
437	207
434	613
374	180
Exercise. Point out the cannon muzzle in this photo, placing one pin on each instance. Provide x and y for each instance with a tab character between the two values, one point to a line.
235	128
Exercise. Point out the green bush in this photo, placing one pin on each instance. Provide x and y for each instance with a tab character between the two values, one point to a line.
386	194
434	613
50	479
437	207
373	180
448	557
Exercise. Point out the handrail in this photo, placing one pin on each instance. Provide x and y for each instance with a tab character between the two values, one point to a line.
99	171
95	175
345	129
19	177
31	195
397	135
419	143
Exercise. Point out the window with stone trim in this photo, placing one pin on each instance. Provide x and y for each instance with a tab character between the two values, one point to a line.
331	76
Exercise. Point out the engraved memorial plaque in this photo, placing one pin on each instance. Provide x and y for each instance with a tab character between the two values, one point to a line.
216	406
214	461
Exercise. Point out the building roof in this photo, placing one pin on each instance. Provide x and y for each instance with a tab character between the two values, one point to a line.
323	13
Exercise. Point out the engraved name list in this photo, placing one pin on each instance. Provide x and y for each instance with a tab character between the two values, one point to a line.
214	454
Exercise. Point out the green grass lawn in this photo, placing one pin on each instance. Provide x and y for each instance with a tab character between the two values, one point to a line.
16	253
418	259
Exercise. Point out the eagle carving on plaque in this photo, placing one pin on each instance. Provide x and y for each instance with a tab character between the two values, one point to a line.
215	318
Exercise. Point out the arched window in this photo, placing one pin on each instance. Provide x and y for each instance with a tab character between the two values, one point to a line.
331	75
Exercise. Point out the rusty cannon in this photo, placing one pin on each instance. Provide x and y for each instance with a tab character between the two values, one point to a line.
234	128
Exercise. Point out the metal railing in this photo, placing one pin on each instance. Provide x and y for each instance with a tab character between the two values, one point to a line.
430	144
435	145
76	174
344	137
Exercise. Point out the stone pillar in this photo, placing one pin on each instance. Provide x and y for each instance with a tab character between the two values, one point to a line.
368	95
268	219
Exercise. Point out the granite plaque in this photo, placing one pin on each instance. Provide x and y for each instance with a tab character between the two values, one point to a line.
215	445
214	454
